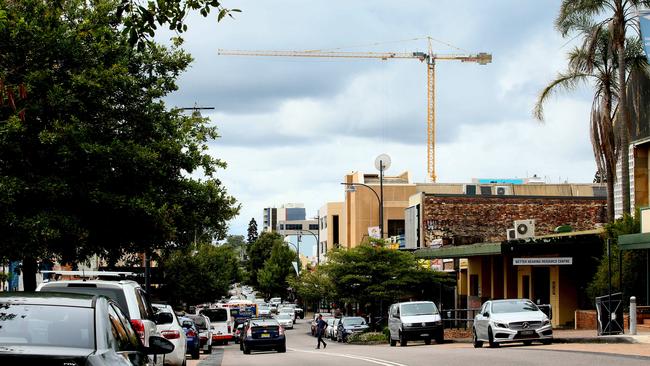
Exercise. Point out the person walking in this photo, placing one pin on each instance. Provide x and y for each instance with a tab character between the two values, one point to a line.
320	331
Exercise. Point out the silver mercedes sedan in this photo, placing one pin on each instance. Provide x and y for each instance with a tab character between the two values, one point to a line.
514	320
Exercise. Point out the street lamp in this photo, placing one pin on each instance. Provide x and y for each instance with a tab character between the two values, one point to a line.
297	255
317	237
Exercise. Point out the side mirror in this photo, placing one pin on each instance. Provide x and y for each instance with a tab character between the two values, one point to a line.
159	346
486	314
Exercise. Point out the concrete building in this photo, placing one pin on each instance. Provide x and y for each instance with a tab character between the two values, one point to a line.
331	229
286	212
270	219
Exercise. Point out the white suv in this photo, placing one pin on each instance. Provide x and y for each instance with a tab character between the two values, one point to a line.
129	296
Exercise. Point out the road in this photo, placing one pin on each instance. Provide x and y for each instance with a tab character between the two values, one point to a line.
301	351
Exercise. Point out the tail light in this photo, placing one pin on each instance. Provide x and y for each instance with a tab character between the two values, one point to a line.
191	333
138	326
171	334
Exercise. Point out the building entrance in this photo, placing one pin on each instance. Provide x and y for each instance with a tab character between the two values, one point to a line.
541	285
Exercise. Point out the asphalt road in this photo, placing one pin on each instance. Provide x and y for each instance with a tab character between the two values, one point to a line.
301	351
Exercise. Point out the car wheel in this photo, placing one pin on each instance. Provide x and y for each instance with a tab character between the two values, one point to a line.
475	341
225	343
491	341
402	340
282	349
428	341
528	343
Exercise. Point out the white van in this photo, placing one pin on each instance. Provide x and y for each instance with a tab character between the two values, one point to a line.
221	324
415	320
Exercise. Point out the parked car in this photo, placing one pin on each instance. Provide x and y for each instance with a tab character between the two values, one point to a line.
263	309
128	294
511	320
192	337
297	310
221	324
73	329
288	311
350	325
170	328
416	320
285	320
264	334
205	332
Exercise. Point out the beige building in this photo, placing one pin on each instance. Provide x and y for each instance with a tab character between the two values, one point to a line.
332	232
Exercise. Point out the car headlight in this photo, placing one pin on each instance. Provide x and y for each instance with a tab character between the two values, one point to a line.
408	324
500	325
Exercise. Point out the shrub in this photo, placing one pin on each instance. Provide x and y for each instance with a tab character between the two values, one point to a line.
368	338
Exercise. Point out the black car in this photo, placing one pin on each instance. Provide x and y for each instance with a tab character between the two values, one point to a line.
350	325
69	329
263	334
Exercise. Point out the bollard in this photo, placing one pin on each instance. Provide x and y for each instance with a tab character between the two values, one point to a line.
633	315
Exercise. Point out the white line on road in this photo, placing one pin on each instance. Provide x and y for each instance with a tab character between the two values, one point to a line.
362	358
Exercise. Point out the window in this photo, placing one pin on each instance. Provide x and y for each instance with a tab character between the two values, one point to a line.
313	226
127	339
486	190
395	227
293	226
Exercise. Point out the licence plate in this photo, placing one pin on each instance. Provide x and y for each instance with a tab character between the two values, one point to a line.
424	335
265	335
527	332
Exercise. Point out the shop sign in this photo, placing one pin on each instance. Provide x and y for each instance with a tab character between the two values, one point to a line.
543	261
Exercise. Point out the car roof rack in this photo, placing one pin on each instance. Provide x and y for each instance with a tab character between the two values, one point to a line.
85	275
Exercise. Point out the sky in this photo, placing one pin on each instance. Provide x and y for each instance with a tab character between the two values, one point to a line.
292	128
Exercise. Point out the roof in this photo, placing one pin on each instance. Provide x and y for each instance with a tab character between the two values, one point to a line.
48	298
634	241
487	249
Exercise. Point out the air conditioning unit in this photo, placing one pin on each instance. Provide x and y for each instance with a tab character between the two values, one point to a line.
502	190
510	234
524	229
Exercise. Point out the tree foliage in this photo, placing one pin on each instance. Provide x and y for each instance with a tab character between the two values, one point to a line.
252	231
633	262
273	278
370	273
96	164
199	275
258	253
312	286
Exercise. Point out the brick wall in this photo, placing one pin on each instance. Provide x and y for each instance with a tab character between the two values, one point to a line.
475	219
586	319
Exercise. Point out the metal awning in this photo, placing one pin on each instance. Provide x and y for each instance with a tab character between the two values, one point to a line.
461	251
634	241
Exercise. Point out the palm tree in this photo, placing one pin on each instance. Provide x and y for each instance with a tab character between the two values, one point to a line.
618	16
592	63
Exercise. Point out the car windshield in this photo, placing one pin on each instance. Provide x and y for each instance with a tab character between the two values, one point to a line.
285	316
39	325
421	308
216	315
515	306
354	321
263	307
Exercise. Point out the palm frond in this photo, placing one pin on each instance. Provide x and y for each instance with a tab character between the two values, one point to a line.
564	81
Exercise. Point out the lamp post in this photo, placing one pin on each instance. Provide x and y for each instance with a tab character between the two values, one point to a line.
297	255
317	237
350	188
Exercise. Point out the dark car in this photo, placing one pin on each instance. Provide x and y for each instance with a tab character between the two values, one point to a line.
192	337
350	325
70	329
263	334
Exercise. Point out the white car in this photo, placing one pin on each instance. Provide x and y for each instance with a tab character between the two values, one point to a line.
512	320
221	324
205	331
170	327
285	320
129	296
263	310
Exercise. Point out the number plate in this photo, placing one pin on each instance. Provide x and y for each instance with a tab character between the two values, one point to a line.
265	335
527	332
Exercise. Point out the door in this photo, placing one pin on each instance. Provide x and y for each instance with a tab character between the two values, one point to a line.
481	322
541	285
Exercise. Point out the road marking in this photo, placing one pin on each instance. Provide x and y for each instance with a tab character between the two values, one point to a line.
356	357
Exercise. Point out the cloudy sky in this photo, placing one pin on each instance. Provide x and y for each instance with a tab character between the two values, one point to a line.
291	128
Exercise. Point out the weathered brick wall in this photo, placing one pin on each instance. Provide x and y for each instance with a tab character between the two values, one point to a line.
475	219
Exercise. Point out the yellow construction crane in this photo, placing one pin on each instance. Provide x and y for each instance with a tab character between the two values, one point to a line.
430	58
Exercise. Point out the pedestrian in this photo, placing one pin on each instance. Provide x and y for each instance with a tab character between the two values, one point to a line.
320	331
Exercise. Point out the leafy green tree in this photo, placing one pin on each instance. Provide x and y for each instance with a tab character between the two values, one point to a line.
258	252
194	276
633	263
252	231
312	286
92	161
373	274
617	16
238	244
273	278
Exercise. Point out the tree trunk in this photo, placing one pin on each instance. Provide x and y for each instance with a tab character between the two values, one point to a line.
29	273
611	176
625	126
